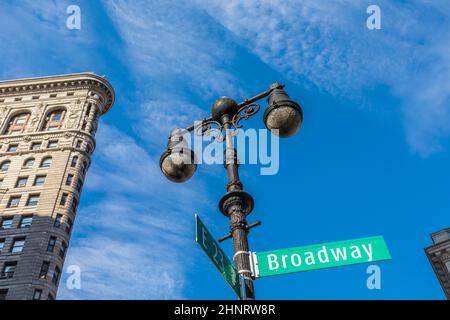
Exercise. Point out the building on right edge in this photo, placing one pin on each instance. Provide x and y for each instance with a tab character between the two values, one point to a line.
439	256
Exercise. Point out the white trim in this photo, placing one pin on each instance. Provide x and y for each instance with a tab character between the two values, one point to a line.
240	252
254	264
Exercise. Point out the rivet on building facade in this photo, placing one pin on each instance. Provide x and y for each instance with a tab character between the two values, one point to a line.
47	137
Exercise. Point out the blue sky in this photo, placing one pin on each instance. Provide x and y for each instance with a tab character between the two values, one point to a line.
371	158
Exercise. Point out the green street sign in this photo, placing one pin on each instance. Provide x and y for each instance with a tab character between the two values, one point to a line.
320	256
218	257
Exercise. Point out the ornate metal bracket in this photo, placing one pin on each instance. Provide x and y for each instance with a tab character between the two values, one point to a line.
205	129
244	113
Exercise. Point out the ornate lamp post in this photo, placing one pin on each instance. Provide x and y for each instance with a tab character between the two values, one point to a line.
178	163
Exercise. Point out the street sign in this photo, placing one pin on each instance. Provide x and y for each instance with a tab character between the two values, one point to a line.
218	257
319	256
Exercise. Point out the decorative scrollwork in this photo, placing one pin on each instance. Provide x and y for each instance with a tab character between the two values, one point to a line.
244	113
204	128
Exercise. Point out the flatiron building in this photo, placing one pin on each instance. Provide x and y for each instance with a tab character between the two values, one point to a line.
47	137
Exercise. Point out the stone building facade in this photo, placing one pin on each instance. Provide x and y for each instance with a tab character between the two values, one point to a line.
47	137
439	256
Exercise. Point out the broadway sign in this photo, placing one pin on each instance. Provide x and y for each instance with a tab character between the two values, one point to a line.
326	255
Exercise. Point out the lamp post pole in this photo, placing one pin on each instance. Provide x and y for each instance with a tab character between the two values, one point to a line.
232	207
178	163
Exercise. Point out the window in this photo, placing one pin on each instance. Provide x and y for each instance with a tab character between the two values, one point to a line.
54	120
2	244
13	147
5	166
14	202
52	144
37	294
79	185
63	199
58	219
3	294
51	244
29	163
68	225
88	148
78	145
36	145
84	167
62	250
7	223
56	275
8	269
17	123
74	162
69	179
21	182
39	181
46	162
21	119
18	245
44	270
33	200
74	205
26	222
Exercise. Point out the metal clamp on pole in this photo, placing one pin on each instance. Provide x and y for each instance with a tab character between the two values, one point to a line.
247	228
240	252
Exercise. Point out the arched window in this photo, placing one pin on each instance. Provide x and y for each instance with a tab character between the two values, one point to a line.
46	162
5	166
18	123
54	120
29	163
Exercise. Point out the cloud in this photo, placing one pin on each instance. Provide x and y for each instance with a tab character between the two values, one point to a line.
136	231
36	42
179	59
110	268
171	42
327	45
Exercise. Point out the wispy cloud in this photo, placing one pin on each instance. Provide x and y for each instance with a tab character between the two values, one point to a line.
327	44
178	59
58	49
170	42
136	231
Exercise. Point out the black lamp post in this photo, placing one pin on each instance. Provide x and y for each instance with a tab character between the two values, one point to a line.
178	163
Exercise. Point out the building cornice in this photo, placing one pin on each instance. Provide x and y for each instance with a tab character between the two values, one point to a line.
87	80
444	245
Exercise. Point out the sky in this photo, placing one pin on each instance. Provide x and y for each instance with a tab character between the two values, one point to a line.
371	158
